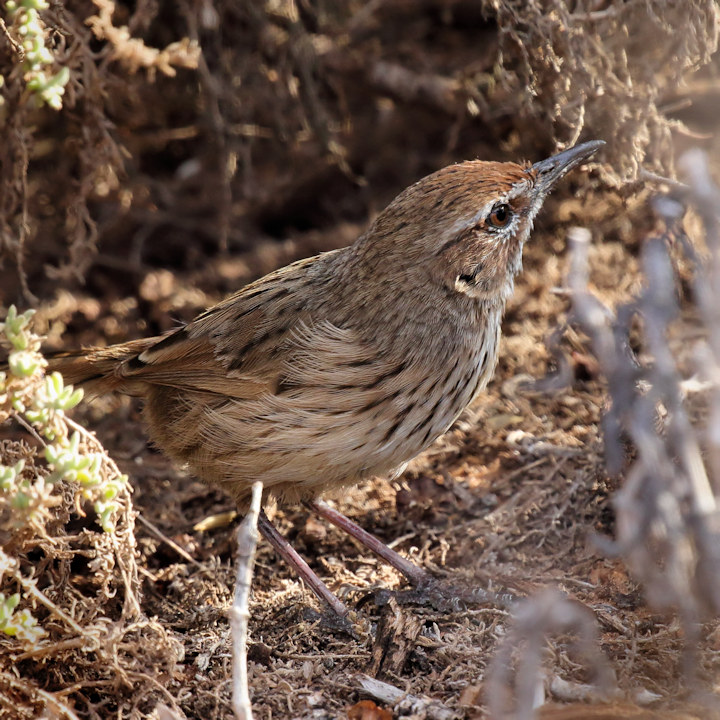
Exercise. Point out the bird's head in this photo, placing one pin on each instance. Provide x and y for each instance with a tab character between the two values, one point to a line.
465	225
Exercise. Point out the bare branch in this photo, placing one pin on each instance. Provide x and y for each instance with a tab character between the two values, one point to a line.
247	537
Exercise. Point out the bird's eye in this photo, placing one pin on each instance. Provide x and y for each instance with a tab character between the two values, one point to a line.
500	215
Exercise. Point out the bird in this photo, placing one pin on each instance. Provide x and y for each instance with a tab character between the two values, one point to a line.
345	365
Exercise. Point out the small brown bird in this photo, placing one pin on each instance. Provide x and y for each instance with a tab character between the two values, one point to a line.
345	365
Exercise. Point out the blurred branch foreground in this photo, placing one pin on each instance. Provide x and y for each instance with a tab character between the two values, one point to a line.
665	417
662	432
666	511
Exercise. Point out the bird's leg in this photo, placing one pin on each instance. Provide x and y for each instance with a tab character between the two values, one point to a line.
428	590
412	572
292	558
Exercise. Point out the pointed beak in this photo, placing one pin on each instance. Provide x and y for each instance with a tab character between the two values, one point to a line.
548	172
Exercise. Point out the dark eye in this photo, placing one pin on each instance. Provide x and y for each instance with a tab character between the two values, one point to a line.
500	216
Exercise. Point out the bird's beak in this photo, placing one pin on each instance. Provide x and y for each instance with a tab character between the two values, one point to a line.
548	172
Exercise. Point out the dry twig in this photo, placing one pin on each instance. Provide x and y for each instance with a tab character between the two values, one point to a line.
404	702
666	511
247	537
534	619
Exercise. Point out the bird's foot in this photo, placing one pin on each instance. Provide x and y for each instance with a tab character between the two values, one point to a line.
444	596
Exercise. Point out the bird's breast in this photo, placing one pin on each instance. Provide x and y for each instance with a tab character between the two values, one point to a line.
428	397
337	422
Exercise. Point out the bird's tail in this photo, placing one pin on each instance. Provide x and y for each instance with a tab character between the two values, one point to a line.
97	370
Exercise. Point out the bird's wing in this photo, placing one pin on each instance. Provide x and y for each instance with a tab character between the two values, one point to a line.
238	348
